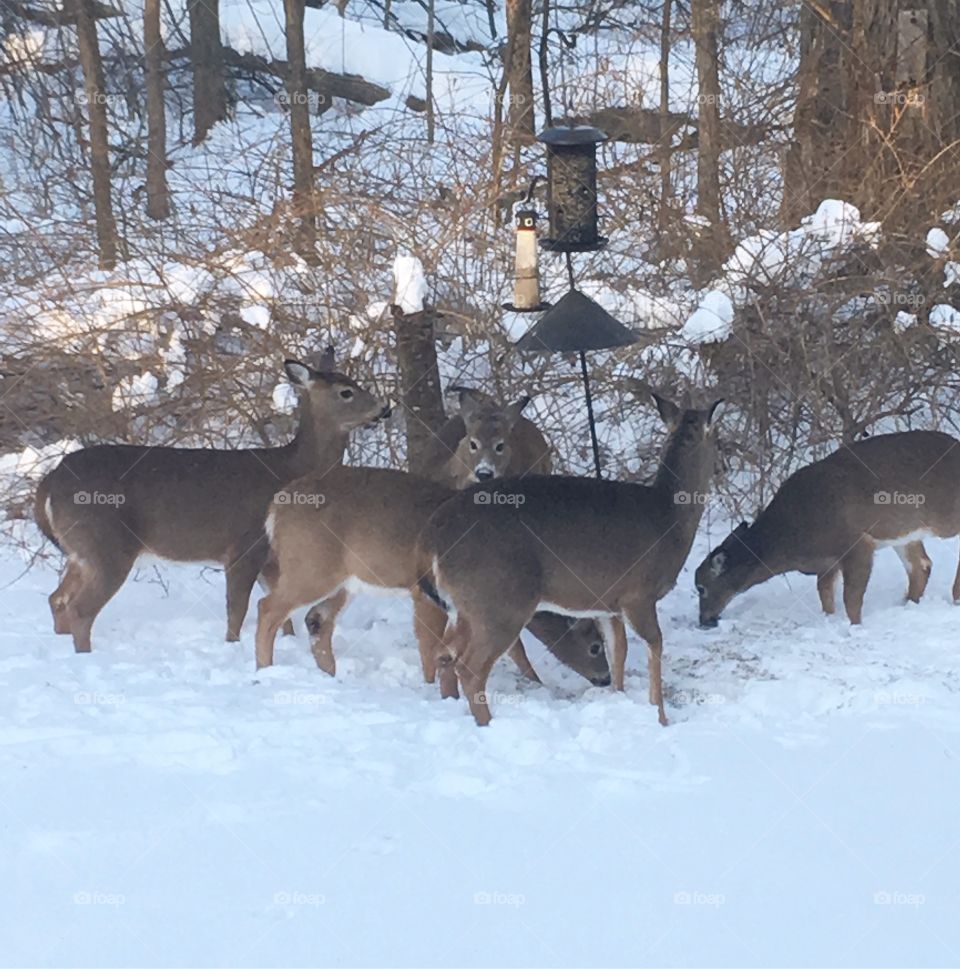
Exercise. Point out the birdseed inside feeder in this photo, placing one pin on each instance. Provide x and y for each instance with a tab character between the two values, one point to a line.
572	188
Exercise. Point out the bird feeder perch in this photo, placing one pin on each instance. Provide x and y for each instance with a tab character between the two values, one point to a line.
572	188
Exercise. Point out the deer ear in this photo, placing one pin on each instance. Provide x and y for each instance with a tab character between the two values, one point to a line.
299	373
324	362
668	410
514	410
741	529
712	412
717	563
466	398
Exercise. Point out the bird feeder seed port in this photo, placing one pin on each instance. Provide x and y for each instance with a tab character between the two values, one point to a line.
572	188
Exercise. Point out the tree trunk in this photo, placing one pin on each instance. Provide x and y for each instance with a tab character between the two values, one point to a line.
158	199
878	110
301	137
90	62
420	382
520	71
206	54
666	135
705	24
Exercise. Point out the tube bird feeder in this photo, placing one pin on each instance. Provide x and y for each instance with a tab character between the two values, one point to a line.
572	188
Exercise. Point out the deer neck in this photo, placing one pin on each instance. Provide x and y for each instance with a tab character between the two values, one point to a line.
684	477
315	446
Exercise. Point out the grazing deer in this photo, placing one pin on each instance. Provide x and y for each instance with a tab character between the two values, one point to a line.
489	439
603	549
105	505
827	519
355	528
486	440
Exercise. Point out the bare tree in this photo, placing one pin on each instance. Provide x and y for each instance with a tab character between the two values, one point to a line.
705	24
519	71
158	199
206	55
300	134
665	154
96	97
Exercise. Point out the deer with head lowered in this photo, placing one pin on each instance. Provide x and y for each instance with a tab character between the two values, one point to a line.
607	550
487	439
106	505
829	517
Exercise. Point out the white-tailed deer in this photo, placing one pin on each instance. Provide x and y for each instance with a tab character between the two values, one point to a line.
602	549
104	506
486	440
356	528
829	517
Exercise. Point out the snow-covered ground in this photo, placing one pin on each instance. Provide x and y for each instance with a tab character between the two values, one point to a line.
162	805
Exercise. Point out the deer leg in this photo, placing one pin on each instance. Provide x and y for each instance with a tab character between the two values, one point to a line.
643	617
61	601
519	655
856	567
956	585
272	610
488	642
918	566
268	578
321	621
455	641
241	574
429	624
827	589
100	579
618	647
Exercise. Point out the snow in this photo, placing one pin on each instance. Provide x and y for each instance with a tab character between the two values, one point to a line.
937	242
800	808
945	317
284	398
411	286
903	321
711	322
135	391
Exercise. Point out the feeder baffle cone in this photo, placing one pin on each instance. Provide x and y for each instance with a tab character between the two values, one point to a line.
576	322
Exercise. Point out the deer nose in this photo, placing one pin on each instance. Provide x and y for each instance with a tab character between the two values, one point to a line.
710	623
483	474
601	681
385	413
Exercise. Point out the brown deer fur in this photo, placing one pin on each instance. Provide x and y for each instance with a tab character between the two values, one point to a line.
106	505
603	549
829	517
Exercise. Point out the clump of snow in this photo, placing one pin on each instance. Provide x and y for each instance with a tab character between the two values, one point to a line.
284	398
903	321
711	322
135	391
410	283
794	256
258	316
951	274
937	242
946	317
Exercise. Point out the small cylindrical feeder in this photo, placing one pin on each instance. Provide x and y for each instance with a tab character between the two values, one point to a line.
526	286
572	188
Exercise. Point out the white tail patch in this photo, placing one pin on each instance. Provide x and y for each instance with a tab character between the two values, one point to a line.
918	535
48	511
270	524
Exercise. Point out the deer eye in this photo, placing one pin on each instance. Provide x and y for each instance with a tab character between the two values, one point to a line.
346	394
596	649
474	445
499	448
700	590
